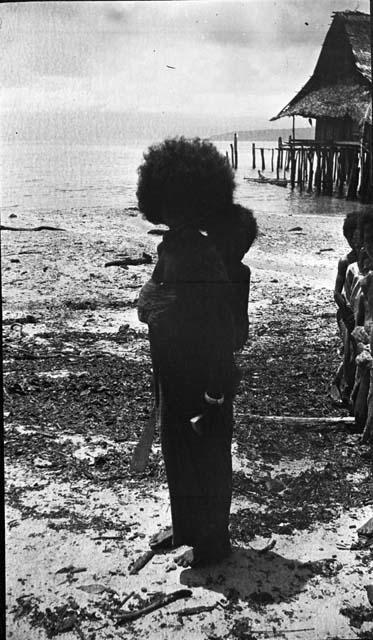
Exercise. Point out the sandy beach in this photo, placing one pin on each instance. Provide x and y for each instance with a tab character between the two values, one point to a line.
77	395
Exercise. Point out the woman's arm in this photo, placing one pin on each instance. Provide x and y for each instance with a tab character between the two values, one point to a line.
340	279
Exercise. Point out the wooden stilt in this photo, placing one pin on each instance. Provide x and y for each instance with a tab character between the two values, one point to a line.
329	172
280	151
263	161
278	164
235	147
353	178
305	164
300	170
310	174
338	169
335	166
365	178
323	170
253	152
342	173
287	160
318	172
292	167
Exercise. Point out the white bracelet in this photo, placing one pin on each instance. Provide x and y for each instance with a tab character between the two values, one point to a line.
210	400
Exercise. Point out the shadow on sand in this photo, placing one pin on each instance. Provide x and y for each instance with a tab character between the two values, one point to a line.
260	578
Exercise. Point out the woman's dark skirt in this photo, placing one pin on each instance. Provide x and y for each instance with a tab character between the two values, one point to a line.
199	475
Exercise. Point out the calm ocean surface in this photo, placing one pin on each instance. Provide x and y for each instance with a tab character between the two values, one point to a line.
44	178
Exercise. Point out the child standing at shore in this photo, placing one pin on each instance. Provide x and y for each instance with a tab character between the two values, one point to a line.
346	296
342	289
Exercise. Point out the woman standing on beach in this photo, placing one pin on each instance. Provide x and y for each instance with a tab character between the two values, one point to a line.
185	185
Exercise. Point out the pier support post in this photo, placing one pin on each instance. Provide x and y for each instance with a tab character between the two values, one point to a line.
318	173
341	177
329	172
353	178
300	170
280	153
323	169
278	164
310	173
292	167
287	161
263	161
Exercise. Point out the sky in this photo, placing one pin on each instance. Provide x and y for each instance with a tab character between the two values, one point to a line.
175	67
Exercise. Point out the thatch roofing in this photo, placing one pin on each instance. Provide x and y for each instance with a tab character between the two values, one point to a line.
338	101
341	82
357	26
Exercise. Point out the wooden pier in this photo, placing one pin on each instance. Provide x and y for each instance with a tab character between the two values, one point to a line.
333	169
336	168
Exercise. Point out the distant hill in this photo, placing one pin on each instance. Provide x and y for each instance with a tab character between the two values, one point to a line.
266	134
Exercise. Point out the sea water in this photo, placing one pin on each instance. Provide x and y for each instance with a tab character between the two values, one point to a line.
40	179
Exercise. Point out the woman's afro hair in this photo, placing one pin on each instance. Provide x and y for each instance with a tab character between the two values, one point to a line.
188	177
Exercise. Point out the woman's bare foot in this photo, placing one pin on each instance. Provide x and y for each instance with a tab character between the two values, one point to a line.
162	540
186	559
192	558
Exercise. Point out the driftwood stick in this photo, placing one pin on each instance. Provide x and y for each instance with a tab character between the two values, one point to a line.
285	630
21	253
71	569
117	263
101	627
192	611
5	227
141	562
162	602
104	537
125	262
299	421
127	597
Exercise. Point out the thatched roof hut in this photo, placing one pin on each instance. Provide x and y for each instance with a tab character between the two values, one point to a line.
338	94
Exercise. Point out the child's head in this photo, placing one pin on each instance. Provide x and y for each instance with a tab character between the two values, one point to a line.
351	229
234	234
366	232
184	182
